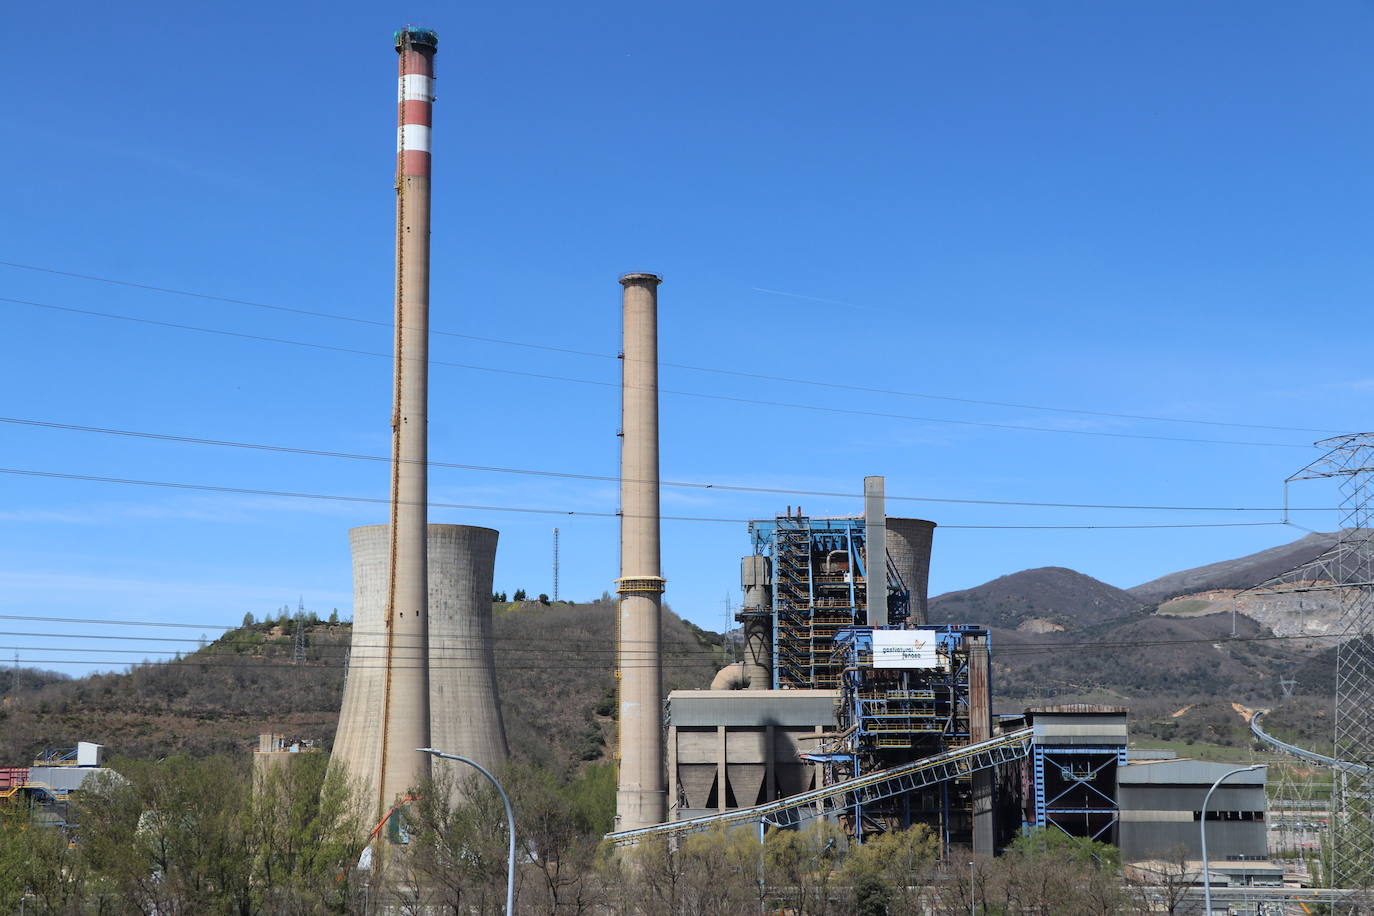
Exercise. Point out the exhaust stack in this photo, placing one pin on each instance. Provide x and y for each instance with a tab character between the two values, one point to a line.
640	796
405	723
875	559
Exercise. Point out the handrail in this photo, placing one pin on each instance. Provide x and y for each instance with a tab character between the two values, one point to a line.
759	812
1304	753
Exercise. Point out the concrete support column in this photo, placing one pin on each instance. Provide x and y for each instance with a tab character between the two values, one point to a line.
640	796
770	762
980	729
722	772
673	791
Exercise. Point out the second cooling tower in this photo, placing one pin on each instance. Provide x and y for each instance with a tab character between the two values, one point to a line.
465	712
908	547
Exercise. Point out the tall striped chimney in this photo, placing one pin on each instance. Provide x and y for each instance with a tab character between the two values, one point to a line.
640	798
406	718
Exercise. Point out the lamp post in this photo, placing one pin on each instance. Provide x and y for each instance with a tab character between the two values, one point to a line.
510	820
972	891
1206	867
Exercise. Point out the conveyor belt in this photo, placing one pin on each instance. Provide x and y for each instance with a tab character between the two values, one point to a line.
1300	751
863	789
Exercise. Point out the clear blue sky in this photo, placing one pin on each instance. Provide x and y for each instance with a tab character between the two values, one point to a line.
1160	209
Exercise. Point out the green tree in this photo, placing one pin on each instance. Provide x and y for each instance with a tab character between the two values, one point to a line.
247	620
804	862
168	836
456	860
886	872
305	835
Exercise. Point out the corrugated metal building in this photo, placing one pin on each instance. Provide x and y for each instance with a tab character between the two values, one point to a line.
1161	811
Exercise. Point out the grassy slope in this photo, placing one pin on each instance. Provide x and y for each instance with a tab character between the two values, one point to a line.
554	667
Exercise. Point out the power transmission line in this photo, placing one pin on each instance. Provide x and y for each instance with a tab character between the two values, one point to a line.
592	646
692	394
712	369
569	475
245	491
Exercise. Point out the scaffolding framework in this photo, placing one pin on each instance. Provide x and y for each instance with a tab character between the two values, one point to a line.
1347	569
820	586
888	716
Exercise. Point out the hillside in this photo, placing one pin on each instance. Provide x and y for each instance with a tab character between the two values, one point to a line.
1241	572
1046	600
1056	634
554	673
1137	658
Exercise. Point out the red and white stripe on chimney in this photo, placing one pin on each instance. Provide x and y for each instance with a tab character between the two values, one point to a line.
416	107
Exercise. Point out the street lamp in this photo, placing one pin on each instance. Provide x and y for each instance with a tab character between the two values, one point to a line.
510	820
972	891
1206	868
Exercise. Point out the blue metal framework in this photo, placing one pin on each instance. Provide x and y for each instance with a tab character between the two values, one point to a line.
1075	789
888	717
820	581
56	757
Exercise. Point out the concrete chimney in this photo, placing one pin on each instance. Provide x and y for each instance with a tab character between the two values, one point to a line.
875	551
405	723
980	729
385	718
640	796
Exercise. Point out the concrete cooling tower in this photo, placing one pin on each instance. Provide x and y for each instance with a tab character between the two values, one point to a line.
908	546
464	712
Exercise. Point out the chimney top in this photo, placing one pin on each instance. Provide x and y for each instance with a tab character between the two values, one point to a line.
413	35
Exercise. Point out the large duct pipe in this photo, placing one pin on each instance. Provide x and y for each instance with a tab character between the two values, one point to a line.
640	796
405	719
908	546
465	712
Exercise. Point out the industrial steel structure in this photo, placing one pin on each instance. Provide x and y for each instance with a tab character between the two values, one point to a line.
905	695
808	578
1347	569
47	786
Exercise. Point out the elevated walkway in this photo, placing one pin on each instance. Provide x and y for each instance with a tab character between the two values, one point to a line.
786	812
1302	752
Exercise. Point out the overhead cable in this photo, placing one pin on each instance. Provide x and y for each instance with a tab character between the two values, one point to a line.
245	491
334	316
692	394
570	475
